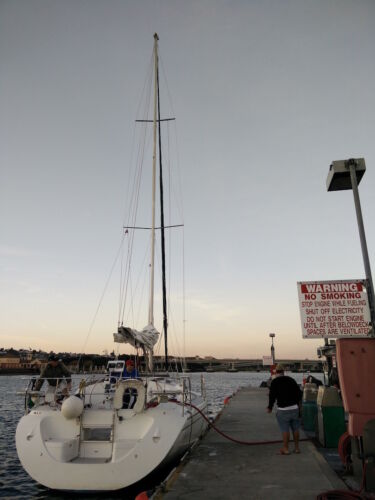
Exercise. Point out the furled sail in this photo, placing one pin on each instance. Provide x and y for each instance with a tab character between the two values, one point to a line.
146	338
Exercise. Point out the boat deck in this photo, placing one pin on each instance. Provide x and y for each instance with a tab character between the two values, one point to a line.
221	469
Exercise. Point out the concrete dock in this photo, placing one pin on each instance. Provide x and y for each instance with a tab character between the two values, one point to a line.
220	469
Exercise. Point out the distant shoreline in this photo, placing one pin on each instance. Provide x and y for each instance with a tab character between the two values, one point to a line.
37	373
20	371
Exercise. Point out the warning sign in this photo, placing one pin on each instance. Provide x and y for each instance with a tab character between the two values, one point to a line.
334	309
267	360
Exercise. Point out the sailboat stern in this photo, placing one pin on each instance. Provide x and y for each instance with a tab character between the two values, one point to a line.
100	451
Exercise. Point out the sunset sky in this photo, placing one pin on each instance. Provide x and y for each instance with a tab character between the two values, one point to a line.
266	94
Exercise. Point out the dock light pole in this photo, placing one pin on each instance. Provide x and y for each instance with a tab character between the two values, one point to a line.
343	175
272	335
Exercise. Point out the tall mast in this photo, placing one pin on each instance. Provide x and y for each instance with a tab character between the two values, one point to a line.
165	318
152	263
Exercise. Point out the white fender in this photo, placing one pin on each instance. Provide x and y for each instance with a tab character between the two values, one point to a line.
72	407
130	384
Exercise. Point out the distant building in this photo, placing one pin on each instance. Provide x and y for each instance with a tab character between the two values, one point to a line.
19	363
26	356
9	361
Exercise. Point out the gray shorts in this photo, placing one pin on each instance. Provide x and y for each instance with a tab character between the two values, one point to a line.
288	419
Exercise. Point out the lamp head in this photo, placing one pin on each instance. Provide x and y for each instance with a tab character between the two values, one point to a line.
339	178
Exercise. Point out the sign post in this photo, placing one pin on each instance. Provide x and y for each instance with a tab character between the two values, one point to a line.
334	309
347	174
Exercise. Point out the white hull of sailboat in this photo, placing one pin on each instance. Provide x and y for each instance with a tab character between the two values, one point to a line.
55	452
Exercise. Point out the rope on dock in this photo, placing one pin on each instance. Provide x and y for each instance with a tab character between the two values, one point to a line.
348	495
343	495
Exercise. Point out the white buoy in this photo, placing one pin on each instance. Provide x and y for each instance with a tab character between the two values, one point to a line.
72	407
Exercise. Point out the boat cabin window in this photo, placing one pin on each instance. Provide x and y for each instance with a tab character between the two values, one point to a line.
116	365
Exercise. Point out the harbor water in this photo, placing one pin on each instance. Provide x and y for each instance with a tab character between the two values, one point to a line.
14	481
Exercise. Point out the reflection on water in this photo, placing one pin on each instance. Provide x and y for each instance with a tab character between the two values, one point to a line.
15	483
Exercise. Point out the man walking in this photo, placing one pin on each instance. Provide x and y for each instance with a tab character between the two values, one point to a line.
285	391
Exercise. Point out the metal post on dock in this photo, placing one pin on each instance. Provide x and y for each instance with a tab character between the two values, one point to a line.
343	175
272	335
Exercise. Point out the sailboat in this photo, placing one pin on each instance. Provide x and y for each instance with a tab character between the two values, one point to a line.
97	439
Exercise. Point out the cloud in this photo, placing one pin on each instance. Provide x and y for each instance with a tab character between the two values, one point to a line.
216	310
11	251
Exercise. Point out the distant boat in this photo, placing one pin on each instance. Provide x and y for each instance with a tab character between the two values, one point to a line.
115	433
232	368
209	368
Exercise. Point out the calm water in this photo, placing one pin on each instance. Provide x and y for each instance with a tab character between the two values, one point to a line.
15	483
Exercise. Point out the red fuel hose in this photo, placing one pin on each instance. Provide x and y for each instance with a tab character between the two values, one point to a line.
238	441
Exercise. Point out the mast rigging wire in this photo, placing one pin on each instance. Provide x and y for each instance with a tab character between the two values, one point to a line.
133	209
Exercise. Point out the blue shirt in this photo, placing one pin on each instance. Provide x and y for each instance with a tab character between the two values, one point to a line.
133	374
